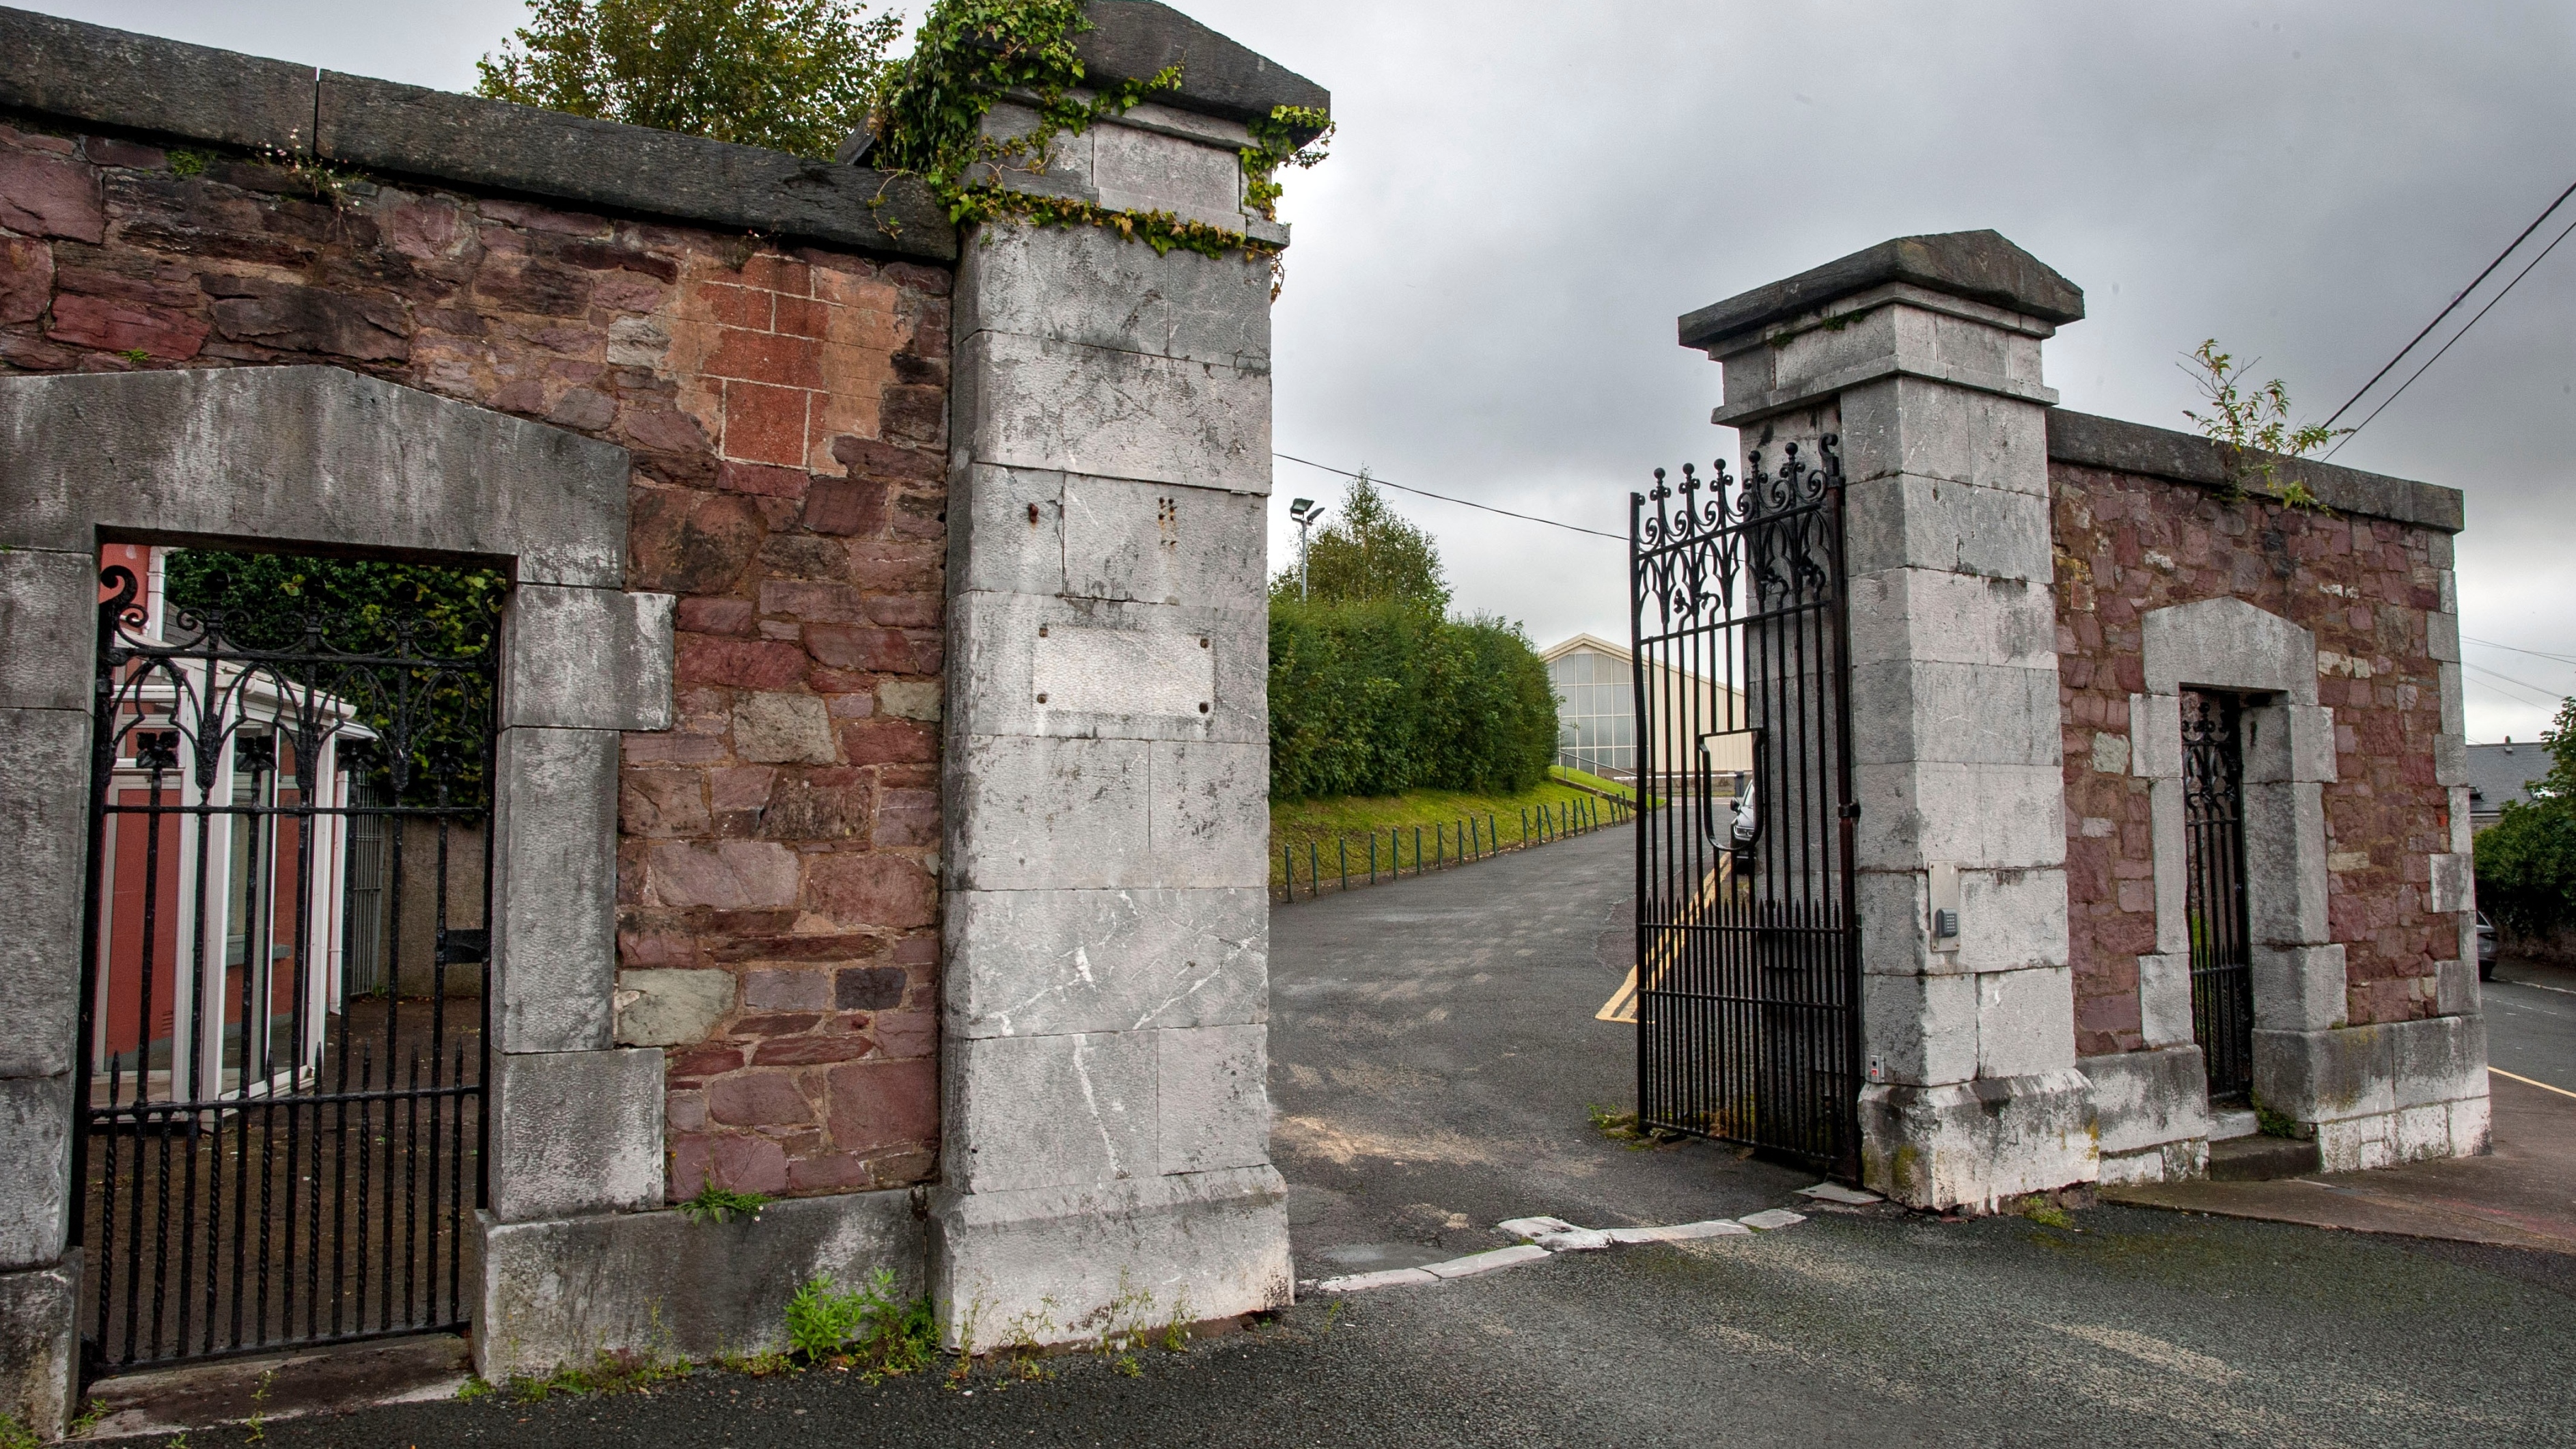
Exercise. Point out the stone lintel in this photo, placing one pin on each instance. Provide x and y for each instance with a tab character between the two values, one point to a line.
318	459
1978	265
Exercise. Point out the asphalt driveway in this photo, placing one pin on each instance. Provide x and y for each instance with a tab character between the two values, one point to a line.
1434	1061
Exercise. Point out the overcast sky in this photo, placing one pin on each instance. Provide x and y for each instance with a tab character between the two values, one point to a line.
1523	196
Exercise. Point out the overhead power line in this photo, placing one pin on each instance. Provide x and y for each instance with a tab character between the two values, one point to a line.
2552	695
2534	653
2419	337
2465	328
2455	338
1445	498
2500	694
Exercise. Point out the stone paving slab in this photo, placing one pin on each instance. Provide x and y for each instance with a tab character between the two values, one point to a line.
2521	1195
1478	1263
1681	1232
1388	1278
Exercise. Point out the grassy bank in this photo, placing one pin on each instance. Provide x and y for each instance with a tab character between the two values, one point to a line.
1318	830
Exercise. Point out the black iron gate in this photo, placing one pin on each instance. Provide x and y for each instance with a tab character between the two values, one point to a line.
1747	953
2222	966
281	1132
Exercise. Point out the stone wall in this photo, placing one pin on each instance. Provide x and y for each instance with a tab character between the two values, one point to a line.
2372	591
785	407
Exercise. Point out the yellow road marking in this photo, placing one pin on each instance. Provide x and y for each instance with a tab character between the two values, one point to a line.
2528	1082
1622	1005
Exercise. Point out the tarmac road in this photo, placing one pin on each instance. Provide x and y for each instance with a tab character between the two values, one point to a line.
1428	1057
2132	1327
2531	1021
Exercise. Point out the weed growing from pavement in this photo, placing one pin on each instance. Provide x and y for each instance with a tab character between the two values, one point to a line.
2047	1214
475	1389
257	1423
2274	1124
1621	1126
865	1328
610	1373
14	1435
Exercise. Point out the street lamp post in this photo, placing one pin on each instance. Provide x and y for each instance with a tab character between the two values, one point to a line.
1307	515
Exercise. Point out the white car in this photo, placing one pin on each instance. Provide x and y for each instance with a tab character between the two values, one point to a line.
2486	948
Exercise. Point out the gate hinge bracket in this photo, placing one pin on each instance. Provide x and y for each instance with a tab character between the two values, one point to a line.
1849	812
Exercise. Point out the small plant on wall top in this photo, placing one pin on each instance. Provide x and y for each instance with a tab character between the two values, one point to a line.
2251	422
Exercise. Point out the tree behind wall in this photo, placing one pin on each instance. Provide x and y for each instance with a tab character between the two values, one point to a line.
791	75
269	601
2526	861
1368	554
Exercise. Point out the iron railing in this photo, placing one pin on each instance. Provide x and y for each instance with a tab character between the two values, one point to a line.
276	1149
2222	965
1355	861
1747	955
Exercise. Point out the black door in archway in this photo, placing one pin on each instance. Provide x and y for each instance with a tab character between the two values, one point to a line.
1747	949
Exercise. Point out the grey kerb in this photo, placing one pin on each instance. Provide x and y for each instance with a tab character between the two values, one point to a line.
279	458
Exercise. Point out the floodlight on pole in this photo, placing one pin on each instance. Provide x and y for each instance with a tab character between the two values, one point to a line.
1307	515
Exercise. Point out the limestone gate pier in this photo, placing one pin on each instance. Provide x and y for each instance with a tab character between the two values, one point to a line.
2147	793
875	773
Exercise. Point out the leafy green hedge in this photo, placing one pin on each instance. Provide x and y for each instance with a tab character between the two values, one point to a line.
1378	698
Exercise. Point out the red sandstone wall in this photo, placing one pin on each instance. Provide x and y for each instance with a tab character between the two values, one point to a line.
786	409
2127	544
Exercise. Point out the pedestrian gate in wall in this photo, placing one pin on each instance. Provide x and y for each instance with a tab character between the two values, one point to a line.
1747	949
2222	963
281	1134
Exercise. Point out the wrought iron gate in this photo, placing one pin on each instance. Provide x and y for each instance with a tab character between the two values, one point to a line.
2222	966
1747	951
276	1149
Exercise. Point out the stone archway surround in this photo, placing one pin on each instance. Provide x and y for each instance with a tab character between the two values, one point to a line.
2370	1094
324	458
2228	644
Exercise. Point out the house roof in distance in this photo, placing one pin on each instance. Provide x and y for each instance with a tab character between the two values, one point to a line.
2500	774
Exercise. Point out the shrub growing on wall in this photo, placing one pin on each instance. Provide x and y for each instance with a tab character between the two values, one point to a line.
1376	697
2526	861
